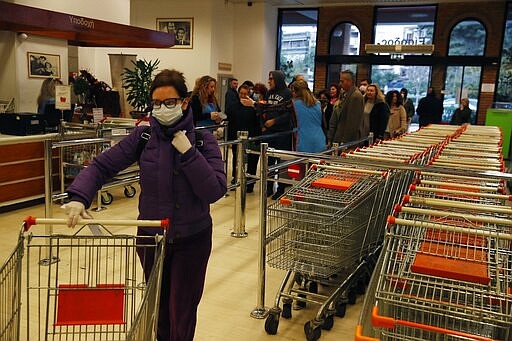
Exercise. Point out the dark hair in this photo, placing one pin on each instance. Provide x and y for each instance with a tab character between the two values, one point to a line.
336	86
243	86
324	92
172	78
405	91
248	83
368	80
389	98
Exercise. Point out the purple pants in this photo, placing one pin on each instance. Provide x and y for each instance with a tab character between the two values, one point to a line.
183	276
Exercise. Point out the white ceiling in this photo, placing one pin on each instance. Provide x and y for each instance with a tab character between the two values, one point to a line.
324	3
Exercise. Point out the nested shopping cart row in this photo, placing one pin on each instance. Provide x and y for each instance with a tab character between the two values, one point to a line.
446	267
328	228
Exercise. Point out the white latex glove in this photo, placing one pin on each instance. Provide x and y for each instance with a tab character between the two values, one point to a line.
181	142
75	210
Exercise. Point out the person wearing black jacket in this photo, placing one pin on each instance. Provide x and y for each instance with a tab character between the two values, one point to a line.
379	111
430	109
462	114
231	105
277	115
245	119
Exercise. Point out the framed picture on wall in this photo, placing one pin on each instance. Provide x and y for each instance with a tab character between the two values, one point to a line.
43	65
182	28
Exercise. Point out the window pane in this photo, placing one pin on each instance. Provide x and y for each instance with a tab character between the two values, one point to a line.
345	40
298	44
504	91
467	39
404	25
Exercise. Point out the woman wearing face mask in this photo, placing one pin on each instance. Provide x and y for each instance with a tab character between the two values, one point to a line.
178	181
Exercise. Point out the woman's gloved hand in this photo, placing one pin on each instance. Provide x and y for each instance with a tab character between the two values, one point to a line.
75	210
181	142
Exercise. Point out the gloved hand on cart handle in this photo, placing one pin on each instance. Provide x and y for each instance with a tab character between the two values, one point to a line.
181	142
75	210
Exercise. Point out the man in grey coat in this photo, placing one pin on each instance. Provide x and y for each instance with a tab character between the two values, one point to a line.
347	116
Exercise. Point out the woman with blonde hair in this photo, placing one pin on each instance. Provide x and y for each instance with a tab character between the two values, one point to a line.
205	106
376	112
311	137
47	94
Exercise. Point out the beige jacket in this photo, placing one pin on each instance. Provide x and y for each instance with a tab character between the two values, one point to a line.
397	123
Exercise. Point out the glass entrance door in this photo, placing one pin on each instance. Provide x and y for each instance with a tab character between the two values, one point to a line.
461	82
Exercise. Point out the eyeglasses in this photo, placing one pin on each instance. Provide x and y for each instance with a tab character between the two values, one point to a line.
168	102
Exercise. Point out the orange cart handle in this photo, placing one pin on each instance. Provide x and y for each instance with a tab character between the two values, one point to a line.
360	337
29	221
390	323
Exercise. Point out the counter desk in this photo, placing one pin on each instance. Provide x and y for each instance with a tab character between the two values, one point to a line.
22	169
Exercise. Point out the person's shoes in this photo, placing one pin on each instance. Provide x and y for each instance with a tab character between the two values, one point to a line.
277	194
249	189
233	181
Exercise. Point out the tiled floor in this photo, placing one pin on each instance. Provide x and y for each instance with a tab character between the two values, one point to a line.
231	287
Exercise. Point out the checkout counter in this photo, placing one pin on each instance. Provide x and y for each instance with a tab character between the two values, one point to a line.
22	170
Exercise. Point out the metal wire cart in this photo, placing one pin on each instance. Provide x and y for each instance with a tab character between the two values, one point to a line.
446	271
89	285
325	230
80	143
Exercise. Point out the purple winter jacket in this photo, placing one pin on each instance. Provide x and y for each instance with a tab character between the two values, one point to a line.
174	186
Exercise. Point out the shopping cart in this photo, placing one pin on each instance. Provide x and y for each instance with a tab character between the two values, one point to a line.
89	285
323	230
445	280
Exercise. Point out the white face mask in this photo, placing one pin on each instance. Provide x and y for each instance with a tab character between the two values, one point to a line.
166	116
362	88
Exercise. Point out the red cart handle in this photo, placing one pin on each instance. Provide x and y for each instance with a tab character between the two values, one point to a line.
29	221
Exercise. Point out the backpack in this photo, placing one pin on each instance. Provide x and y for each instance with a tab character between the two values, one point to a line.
145	135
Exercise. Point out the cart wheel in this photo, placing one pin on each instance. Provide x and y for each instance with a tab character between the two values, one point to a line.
341	309
106	198
328	322
271	324
313	287
287	311
360	287
129	191
312	333
352	296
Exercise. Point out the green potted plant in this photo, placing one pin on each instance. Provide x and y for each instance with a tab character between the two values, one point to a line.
137	82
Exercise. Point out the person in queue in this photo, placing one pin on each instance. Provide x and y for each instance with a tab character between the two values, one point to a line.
178	181
204	103
462	114
347	116
430	109
310	137
378	111
277	116
397	122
